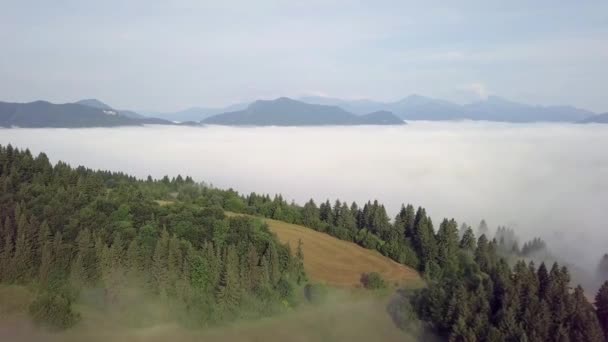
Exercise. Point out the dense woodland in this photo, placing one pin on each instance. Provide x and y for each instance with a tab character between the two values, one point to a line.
66	230
473	292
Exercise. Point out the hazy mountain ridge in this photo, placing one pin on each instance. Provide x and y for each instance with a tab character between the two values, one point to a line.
39	114
600	118
306	111
197	113
494	108
101	105
288	112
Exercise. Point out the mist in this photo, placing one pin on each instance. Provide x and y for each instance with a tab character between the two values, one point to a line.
547	180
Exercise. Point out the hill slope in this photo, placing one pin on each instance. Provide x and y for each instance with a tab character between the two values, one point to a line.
40	114
416	107
337	262
600	118
287	112
98	104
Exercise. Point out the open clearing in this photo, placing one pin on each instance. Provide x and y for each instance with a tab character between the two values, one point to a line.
340	263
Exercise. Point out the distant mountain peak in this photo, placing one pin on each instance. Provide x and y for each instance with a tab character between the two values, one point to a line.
285	111
95	103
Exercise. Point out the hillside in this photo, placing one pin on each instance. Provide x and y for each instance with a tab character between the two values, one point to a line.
337	262
98	104
287	112
601	118
40	114
494	108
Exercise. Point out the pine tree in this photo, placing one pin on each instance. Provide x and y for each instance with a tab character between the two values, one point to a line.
160	275
24	256
264	271
601	304
325	212
405	219
272	256
229	292
133	260
252	261
7	266
310	215
583	322
482	254
174	260
448	245
468	240
46	263
424	241
482	229
300	273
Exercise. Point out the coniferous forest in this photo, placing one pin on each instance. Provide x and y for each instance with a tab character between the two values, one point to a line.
69	232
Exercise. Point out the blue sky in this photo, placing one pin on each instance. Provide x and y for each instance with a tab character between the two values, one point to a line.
165	56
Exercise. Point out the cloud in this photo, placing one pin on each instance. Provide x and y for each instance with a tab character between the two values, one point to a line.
506	173
477	88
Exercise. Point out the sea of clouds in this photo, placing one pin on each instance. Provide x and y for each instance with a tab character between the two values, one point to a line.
541	179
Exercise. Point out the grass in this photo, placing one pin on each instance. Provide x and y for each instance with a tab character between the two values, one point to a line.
340	263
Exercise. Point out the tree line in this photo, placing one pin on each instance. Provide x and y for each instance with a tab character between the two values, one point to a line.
473	293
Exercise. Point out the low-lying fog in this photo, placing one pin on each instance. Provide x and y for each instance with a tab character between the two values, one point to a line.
541	179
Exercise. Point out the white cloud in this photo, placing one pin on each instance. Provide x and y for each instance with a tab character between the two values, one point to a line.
479	89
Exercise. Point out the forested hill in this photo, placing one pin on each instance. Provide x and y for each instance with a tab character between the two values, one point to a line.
287	112
67	115
69	231
66	230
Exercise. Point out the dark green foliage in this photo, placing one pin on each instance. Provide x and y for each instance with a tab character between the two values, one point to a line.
80	229
490	301
467	242
53	310
315	293
534	247
372	281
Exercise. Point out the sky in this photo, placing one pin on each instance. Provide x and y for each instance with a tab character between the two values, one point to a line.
167	56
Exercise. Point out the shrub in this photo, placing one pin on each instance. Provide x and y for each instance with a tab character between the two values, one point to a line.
53	310
315	293
372	281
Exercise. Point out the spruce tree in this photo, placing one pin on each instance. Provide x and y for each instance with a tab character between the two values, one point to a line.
272	256
468	240
583	322
300	273
601	305
160	275
229	292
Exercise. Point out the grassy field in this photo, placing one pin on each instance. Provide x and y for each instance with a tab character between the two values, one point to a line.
340	263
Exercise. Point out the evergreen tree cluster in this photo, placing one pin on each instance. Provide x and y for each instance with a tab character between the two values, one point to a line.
64	230
481	298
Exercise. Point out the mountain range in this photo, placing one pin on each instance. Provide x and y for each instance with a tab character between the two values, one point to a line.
309	110
196	114
90	113
98	104
600	118
288	112
494	108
